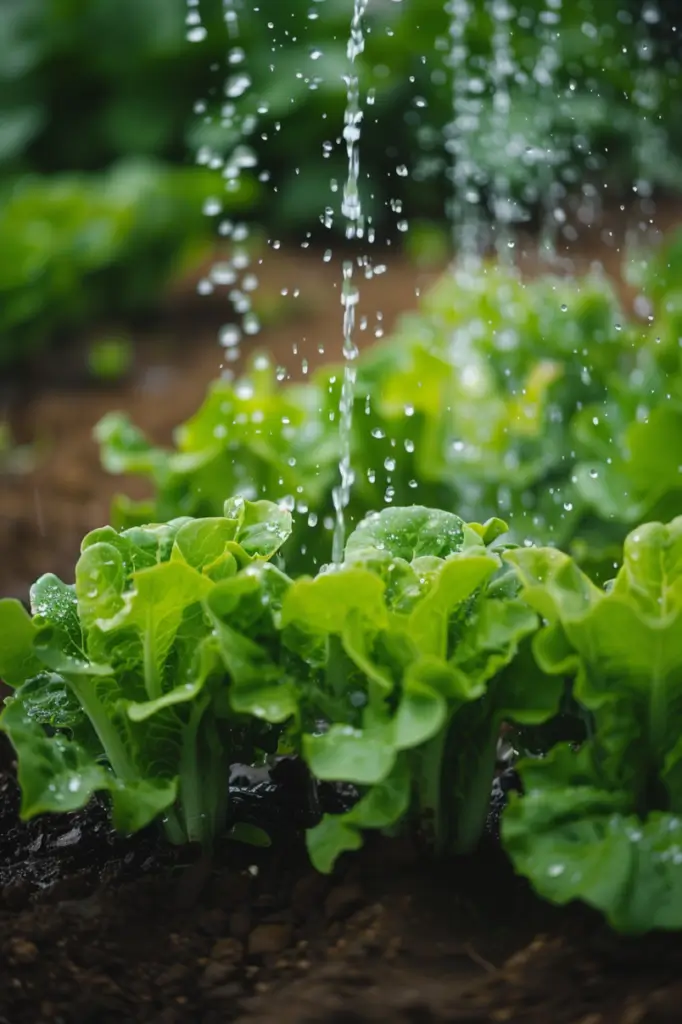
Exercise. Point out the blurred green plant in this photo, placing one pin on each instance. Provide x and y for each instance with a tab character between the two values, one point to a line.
541	402
76	246
88	82
14	458
110	358
89	86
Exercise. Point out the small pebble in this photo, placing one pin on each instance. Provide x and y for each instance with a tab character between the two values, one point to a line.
21	951
227	992
269	938
227	949
239	924
307	894
217	973
172	976
212	922
342	901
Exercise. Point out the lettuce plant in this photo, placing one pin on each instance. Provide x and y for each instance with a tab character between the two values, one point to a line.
604	824
129	681
78	247
409	642
631	470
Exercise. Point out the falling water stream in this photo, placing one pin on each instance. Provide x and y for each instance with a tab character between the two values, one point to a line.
467	102
501	70
352	210
232	273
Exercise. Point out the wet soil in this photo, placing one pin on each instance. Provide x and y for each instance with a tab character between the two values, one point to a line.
97	929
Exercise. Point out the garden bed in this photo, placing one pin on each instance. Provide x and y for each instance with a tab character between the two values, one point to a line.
100	929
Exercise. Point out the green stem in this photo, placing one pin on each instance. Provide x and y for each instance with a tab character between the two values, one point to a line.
152	682
474	808
175	833
192	807
429	771
337	670
653	793
657	712
217	782
107	733
204	775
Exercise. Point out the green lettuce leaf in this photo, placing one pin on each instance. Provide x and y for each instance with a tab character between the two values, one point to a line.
122	681
416	625
623	649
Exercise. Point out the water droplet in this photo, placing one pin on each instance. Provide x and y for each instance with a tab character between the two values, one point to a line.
237	85
251	324
229	336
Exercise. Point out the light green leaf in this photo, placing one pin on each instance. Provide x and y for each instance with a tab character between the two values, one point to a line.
262	527
18	661
381	806
155	608
407	533
101	579
344	754
202	542
461	575
250	835
205	663
260	686
323	605
57	774
54	607
330	838
574	840
420	714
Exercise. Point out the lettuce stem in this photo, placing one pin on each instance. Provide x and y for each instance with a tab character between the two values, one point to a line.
152	682
106	731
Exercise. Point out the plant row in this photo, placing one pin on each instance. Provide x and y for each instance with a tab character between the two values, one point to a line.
183	647
77	246
541	401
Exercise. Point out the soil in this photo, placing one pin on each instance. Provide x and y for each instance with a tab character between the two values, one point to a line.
97	929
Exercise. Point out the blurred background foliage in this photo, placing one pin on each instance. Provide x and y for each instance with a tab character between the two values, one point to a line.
106	106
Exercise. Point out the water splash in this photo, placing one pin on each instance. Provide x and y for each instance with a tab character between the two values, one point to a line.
351	207
196	31
544	75
230	16
232	273
501	69
460	135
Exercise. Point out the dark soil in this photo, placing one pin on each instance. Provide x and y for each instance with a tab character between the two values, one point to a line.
98	929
